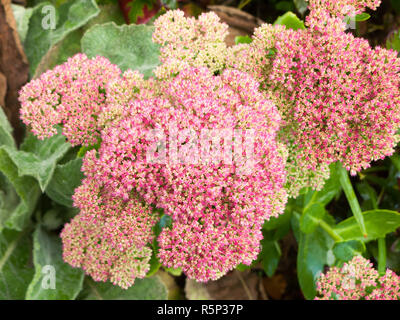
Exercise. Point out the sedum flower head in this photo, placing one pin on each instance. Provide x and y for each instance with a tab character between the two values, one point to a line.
210	200
342	8
358	280
109	238
189	42
71	94
338	97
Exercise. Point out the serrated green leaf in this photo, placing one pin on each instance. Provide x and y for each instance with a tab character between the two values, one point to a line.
378	223
47	253
144	289
346	250
66	178
70	16
270	256
128	46
22	16
109	12
6	137
290	20
38	158
15	269
16	213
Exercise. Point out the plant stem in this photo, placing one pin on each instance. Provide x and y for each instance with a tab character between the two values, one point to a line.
352	199
381	256
330	231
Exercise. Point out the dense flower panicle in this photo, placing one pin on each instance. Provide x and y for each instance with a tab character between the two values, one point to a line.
345	94
202	190
109	238
338	97
189	42
120	91
71	94
207	252
388	289
358	280
342	8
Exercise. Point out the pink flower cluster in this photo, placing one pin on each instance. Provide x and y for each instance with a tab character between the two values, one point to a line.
342	8
338	97
217	212
110	238
358	280
72	94
190	42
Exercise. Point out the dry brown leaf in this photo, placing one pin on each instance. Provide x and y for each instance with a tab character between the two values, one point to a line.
240	23
235	285
13	65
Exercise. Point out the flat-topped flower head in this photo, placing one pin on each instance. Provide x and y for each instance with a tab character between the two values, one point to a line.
190	42
110	239
160	149
338	97
342	8
71	94
207	252
358	280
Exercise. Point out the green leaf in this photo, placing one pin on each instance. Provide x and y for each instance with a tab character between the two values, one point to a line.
369	196
270	256
67	177
175	272
16	206
60	52
276	222
38	158
136	8
243	39
22	16
47	257
393	42
290	20
154	264
396	5
128	46
70	16
6	137
346	250
378	223
144	289
311	217
109	12
15	269
284	6
313	254
362	17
